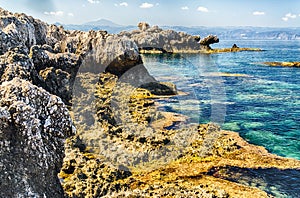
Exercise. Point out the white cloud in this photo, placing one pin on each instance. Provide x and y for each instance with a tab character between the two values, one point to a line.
70	14
93	1
125	4
258	13
52	13
184	8
202	9
289	16
146	5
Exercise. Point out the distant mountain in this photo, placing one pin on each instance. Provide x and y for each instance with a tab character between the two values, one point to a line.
102	22
224	33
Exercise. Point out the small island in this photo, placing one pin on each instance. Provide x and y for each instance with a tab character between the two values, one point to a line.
283	64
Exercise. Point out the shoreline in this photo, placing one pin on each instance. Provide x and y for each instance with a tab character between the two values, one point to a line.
211	51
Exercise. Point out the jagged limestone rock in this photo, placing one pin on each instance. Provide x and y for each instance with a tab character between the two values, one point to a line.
156	40
34	125
20	29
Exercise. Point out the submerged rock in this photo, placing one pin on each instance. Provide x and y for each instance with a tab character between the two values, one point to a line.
34	125
160	88
283	64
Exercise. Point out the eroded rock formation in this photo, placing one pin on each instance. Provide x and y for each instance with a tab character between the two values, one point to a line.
156	40
38	66
207	41
34	125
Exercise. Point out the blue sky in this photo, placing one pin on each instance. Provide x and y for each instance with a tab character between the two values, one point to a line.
271	13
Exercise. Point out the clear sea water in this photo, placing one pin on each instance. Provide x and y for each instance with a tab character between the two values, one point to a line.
237	91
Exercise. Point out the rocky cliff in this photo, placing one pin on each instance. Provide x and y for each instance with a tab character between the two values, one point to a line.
38	67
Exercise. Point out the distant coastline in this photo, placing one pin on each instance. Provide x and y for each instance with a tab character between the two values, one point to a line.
224	33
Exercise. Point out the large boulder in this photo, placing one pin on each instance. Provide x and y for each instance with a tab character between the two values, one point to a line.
34	125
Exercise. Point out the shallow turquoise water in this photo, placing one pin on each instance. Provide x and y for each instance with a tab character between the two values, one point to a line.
262	104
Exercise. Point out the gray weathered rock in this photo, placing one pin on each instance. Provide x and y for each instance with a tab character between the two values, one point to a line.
20	29
34	125
154	39
57	71
16	63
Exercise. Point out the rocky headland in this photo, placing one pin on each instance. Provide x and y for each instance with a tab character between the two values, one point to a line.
155	40
79	119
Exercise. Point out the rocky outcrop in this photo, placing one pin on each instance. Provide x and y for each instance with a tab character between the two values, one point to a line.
210	39
143	26
34	125
283	64
156	40
20	29
55	55
56	71
160	88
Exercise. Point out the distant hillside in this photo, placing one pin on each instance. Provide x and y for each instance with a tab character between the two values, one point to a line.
224	33
243	33
102	22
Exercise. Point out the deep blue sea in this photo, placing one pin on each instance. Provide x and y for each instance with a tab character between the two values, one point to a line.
237	91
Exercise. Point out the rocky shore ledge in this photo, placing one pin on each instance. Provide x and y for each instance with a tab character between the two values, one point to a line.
79	119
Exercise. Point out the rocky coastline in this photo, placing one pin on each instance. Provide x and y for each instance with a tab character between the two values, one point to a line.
78	119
